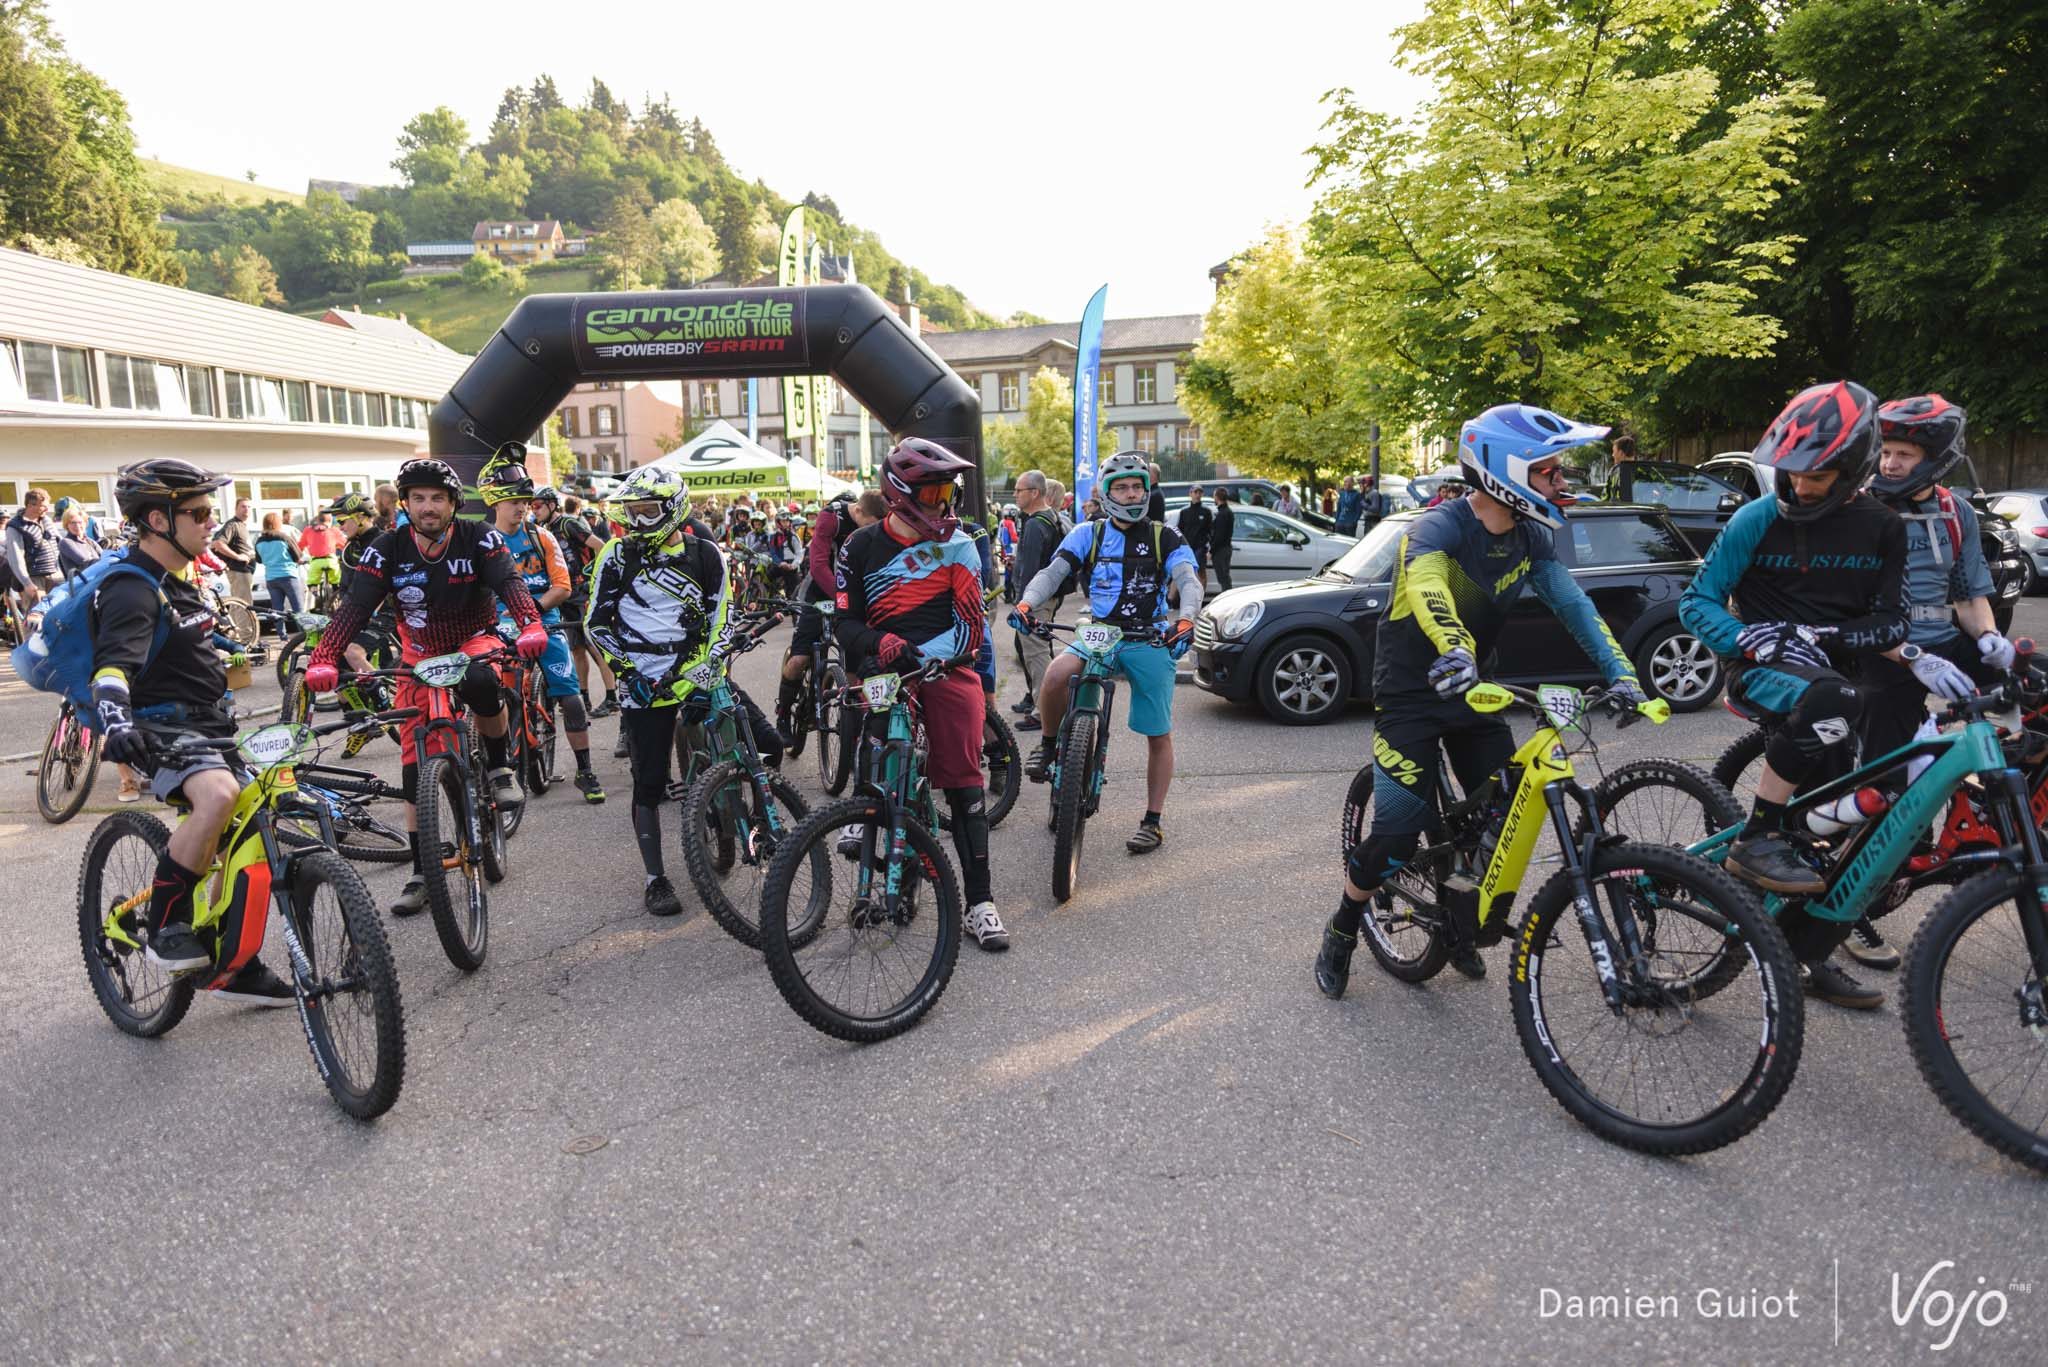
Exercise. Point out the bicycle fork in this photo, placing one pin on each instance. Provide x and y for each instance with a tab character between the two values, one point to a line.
1578	858
2023	837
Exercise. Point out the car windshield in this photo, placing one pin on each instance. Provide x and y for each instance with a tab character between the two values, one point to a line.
1371	561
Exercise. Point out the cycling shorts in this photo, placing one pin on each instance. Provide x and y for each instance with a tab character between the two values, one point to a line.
1150	670
558	669
572	627
323	569
479	689
809	633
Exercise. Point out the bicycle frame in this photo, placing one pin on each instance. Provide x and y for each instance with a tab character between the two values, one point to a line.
896	778
1878	849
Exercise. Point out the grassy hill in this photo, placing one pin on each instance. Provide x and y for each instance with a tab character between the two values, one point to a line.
186	183
456	314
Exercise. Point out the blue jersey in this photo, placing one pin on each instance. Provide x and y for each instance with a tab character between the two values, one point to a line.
1128	583
1944	565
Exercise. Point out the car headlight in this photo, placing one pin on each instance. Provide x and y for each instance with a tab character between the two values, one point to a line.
1236	620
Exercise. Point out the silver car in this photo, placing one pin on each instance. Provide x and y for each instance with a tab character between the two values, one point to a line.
1268	547
2026	512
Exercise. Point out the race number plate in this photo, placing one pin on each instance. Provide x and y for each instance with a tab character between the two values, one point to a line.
879	690
1097	636
310	622
1561	704
442	671
706	675
280	743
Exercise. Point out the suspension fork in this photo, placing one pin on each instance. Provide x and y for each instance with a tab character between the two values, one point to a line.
1577	862
2013	813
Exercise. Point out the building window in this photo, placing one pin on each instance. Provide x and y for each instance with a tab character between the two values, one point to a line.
791	449
707	399
1147	439
199	391
401	412
839	453
606	456
146	386
1148	383
376	406
328	490
253	397
271	492
603	420
1009	401
569	423
746	399
1191	438
56	374
358	408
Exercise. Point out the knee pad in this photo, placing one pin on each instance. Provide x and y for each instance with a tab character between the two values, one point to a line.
970	821
1374	859
1825	717
574	716
479	688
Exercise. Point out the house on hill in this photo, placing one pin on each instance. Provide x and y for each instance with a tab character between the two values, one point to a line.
519	241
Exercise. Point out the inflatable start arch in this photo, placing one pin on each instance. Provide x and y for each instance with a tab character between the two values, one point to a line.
552	342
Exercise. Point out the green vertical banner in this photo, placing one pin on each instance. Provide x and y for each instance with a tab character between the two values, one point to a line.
796	389
821	385
864	460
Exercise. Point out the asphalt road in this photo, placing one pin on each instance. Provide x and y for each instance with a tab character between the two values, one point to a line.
1139	1135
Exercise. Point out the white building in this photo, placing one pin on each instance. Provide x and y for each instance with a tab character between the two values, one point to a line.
98	370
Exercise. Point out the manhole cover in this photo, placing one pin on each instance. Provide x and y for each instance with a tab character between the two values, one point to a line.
585	1143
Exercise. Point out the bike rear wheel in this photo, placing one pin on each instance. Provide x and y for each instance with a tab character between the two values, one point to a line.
239	623
540	744
1676	1069
1070	802
1976	1019
1664	802
140	998
728	844
348	997
838	733
452	866
840	957
69	764
1741	764
1412	947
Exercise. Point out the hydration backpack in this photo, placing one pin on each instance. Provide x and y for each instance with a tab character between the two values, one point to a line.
58	658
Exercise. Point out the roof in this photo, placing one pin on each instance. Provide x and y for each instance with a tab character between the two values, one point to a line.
548	226
377	325
466	247
55	301
1168	332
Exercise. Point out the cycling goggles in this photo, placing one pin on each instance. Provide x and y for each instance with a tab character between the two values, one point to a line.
936	495
646	514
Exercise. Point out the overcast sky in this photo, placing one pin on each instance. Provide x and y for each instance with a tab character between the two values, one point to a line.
1025	154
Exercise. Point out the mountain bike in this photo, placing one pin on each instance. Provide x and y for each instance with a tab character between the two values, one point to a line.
462	829
70	762
350	825
532	735
1974	998
1630	1037
817	709
299	703
340	963
735	813
1081	754
860	918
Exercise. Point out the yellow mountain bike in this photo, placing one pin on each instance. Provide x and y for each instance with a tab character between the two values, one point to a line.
340	963
1679	1028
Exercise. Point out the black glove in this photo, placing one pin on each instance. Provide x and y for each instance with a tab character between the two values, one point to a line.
119	739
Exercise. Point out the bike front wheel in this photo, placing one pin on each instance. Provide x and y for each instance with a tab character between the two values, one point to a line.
452	866
855	963
838	732
1674	1069
114	880
729	839
348	995
1976	1017
1070	802
65	773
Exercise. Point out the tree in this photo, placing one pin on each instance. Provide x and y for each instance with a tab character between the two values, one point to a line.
734	219
1276	382
1555	225
246	275
483	269
320	247
561	459
627	247
430	147
544	98
1044	440
822	204
685	248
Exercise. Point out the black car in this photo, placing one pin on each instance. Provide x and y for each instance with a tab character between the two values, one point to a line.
1304	649
1701	498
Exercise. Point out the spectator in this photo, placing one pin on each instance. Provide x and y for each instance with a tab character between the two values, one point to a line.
389	515
75	548
1061	503
1329	502
1623	448
1092	509
1288	506
1038	535
237	550
280	557
1221	527
31	548
1350	507
1195	520
1155	507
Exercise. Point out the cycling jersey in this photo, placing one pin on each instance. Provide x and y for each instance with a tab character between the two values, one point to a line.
124	613
1845	571
655	613
538	558
1941	569
926	592
1130	572
444	597
572	535
1453	588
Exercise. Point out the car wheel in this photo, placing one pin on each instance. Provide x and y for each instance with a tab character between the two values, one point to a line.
1304	681
1676	665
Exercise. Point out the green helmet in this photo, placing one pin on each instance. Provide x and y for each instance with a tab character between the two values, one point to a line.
652	485
505	478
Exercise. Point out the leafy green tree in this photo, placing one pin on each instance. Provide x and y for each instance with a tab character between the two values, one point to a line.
320	247
1044	439
430	147
1555	225
628	250
484	270
245	275
561	458
686	250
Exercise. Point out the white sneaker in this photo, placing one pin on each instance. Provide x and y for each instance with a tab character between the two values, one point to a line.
987	927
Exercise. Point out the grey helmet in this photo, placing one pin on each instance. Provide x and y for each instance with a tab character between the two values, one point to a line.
1123	465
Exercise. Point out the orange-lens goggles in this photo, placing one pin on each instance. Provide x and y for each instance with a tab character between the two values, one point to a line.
935	495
